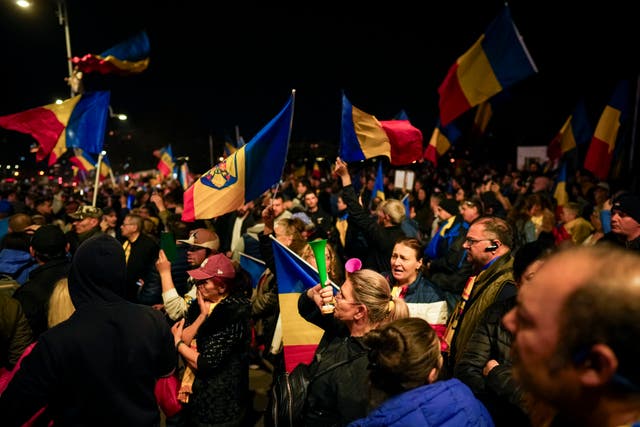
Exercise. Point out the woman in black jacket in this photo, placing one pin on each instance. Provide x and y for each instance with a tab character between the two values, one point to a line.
363	303
220	357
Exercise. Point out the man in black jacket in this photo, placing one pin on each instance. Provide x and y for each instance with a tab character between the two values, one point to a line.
50	249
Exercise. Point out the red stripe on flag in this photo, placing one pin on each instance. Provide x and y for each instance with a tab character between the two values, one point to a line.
295	354
598	159
188	210
453	101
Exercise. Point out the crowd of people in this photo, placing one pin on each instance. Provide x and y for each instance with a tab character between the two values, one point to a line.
470	298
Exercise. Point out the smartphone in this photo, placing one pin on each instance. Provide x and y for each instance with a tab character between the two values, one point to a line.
168	245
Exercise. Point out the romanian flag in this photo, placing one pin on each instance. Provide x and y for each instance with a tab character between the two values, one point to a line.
603	142
128	57
364	137
167	162
441	140
560	193
378	185
497	60
86	162
78	122
300	338
185	177
576	131
83	161
244	175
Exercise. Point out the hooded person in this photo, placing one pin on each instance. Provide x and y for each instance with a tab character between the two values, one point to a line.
101	365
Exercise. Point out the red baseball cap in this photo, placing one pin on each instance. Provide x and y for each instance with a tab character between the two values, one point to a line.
216	266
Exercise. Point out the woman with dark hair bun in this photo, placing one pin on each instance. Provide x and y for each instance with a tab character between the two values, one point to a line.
404	365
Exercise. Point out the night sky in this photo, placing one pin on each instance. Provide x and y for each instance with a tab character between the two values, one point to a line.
214	68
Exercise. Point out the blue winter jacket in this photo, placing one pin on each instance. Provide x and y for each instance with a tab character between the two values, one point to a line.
447	403
17	264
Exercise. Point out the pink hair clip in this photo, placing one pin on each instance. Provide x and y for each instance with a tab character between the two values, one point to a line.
352	264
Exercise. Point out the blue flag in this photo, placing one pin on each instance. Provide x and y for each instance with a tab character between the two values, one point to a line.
253	266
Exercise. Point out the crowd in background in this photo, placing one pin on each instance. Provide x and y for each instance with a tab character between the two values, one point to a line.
456	247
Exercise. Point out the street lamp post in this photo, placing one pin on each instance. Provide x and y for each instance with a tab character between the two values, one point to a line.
63	19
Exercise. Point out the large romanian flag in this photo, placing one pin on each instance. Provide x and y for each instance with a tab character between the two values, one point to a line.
603	143
497	60
78	122
300	338
129	57
244	175
364	137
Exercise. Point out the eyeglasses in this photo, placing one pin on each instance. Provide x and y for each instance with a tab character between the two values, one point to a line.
470	242
340	298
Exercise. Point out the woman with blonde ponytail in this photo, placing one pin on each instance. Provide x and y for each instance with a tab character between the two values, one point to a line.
363	303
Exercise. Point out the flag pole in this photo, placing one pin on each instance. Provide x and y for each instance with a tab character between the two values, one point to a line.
97	180
301	259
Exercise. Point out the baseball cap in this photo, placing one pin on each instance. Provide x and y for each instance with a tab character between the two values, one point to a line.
86	211
203	238
628	203
216	266
49	240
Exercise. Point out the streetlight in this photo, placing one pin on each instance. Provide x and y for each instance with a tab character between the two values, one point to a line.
63	19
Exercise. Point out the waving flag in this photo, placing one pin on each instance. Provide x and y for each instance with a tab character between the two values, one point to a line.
575	132
441	140
560	192
244	175
603	143
128	57
83	161
364	137
378	185
167	162
294	275
497	60
184	176
78	122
